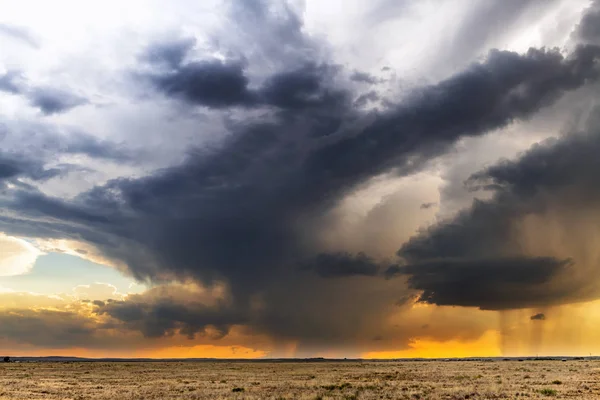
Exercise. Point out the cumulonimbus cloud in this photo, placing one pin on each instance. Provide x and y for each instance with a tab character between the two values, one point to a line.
243	213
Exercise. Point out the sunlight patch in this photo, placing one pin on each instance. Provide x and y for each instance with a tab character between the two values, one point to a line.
16	256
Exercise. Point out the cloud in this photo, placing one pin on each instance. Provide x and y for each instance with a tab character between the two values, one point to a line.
210	83
16	256
427	206
247	210
9	82
302	76
46	327
270	34
489	23
16	165
26	300
551	185
364	77
538	317
366	98
492	284
97	291
341	265
53	101
588	30
20	33
165	310
169	53
223	84
91	146
48	99
187	221
302	88
50	149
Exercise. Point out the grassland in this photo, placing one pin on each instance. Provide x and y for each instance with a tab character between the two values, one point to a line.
321	380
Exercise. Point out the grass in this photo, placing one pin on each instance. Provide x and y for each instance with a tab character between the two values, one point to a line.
433	380
548	392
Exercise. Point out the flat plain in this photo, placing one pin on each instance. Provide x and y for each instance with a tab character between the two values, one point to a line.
574	379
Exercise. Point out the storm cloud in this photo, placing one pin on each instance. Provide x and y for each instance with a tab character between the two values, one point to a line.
164	316
552	182
210	83
218	84
14	165
364	77
248	211
190	220
190	214
588	30
52	101
339	265
47	99
492	284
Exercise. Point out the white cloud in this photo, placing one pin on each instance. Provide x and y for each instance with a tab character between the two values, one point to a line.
17	256
97	291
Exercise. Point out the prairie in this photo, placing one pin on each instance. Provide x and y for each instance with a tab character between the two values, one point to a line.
575	379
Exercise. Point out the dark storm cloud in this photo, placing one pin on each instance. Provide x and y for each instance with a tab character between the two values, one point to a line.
16	165
551	178
301	88
83	143
48	99
339	265
366	98
552	167
218	84
588	31
19	33
245	212
213	84
169	53
53	101
490	284
270	167
156	313
487	96
272	37
538	317
364	77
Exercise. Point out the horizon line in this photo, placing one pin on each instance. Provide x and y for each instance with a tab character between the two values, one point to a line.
303	359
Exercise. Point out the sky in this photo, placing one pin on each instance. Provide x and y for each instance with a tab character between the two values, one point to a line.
299	178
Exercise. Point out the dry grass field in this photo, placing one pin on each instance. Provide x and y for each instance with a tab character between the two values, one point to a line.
575	379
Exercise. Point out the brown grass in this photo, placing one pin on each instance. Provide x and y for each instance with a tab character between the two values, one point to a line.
323	380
